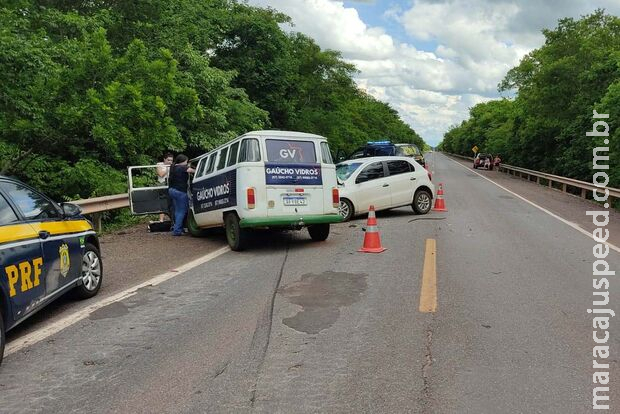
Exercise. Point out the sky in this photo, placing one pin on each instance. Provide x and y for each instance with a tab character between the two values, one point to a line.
431	60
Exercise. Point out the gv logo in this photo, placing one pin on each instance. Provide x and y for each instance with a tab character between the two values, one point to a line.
287	153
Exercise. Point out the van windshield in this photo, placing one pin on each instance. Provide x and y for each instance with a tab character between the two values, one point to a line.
290	152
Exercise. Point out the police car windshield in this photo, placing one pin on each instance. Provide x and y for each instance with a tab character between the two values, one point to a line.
290	152
344	171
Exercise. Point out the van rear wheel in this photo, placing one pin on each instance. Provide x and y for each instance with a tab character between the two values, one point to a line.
235	235
319	232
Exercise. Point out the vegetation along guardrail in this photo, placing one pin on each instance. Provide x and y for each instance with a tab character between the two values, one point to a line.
553	181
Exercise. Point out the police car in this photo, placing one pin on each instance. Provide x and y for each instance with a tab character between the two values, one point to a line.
46	249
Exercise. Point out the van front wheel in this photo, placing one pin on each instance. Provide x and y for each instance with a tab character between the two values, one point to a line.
319	232
235	235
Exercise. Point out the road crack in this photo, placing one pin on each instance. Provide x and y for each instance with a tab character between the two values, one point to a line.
426	398
262	333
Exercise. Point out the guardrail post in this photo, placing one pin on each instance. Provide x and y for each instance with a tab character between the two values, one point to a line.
564	187
97	221
550	183
583	193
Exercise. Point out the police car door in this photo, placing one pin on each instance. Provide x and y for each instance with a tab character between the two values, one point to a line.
21	258
147	195
60	239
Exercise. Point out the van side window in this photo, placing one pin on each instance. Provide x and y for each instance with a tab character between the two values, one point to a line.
250	151
222	161
326	154
201	167
232	157
211	163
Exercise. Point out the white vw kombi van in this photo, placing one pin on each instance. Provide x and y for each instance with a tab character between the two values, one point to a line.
262	179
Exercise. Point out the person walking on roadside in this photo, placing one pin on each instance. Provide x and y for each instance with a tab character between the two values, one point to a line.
162	177
177	189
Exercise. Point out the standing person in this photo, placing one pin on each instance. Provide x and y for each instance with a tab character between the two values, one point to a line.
162	177
177	189
497	161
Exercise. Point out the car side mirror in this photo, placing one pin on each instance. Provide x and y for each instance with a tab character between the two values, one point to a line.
70	210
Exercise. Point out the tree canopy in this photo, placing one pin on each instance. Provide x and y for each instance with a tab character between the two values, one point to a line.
557	87
90	87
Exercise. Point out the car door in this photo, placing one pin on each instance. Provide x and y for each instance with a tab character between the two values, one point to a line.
372	187
59	238
21	261
402	182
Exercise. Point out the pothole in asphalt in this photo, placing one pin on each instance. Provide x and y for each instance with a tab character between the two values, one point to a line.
321	297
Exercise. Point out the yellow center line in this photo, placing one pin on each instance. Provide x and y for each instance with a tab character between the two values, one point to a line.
428	292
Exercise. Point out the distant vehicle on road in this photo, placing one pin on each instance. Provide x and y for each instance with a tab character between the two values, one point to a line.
385	182
46	250
483	160
262	179
387	148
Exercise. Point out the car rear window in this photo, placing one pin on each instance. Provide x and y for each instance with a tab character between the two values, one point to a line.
290	152
409	150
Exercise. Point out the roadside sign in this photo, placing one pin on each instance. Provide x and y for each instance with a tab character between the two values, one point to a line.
475	149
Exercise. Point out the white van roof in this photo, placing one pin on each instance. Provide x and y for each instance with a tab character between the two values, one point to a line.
264	133
282	134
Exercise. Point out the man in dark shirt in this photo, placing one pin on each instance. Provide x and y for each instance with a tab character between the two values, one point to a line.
178	180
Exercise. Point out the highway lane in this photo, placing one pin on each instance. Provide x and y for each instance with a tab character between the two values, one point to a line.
296	326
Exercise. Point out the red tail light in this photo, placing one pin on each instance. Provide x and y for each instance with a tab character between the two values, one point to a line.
335	197
251	198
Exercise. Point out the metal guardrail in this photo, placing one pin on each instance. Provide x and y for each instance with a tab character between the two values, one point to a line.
97	205
564	182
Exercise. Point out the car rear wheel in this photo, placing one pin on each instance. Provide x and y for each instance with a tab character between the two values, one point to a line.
92	273
235	235
345	209
422	202
319	232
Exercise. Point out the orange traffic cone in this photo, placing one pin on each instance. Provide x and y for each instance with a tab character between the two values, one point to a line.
440	204
372	240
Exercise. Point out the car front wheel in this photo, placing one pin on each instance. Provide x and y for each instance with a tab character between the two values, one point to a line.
422	202
92	273
345	209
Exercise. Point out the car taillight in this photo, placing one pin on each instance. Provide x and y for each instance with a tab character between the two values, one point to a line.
335	197
251	198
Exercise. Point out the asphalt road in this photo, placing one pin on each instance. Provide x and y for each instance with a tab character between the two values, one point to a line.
296	326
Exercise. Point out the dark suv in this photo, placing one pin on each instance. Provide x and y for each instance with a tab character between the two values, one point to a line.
386	148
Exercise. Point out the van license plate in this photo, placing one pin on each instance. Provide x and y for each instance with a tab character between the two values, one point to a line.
295	201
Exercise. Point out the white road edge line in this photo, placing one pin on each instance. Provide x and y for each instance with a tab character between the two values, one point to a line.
55	327
569	223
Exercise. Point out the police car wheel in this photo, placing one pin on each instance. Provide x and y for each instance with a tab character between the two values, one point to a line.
235	235
92	273
319	232
422	202
2	337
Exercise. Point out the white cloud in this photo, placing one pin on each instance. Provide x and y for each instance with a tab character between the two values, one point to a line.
477	42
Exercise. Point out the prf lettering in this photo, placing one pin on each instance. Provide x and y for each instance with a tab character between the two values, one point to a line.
28	272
